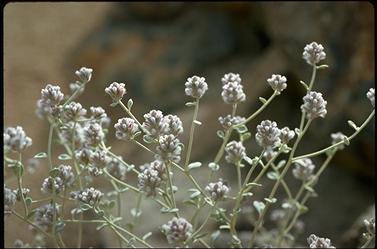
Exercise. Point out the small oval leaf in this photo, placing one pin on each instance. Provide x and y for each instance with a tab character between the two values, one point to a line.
41	155
194	165
147	235
259	206
197	122
130	104
64	157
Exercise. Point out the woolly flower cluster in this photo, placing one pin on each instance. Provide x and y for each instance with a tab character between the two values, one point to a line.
235	152
44	216
84	74
229	121
286	135
318	242
338	137
232	92
116	91
152	175
64	179
313	53
125	129
277	82
15	139
268	134
9	198
178	230
116	168
196	86
314	105
154	123
303	169
74	111
169	149
89	196
217	190
48	104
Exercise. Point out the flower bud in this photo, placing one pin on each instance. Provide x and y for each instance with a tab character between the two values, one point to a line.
314	105
277	82
84	74
313	53
196	87
178	230
116	91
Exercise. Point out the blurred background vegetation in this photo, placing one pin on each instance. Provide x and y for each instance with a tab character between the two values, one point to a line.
154	47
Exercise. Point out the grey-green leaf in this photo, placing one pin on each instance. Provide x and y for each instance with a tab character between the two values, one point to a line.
259	206
130	104
147	235
64	157
41	155
194	165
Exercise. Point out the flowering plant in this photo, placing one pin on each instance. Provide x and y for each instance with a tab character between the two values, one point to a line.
87	156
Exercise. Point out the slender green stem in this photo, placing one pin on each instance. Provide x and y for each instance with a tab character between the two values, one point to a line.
253	168
49	155
300	191
63	201
19	182
54	214
192	179
274	189
314	73
127	232
239	178
203	224
220	152
84	221
119	203
251	117
121	237
197	211
200	228
371	115
31	223
74	94
120	182
192	130
187	173
312	182
239	198
117	157
49	145
234	109
143	146
40	200
204	243
161	203
61	240
229	131
283	183
172	198
78	173
132	116
138	204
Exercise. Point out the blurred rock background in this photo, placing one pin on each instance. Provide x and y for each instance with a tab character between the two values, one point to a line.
154	47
